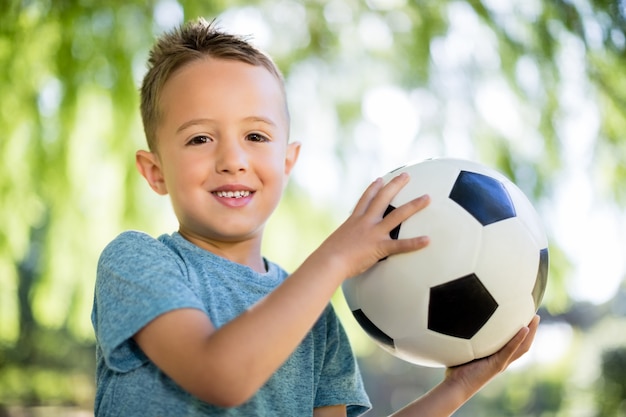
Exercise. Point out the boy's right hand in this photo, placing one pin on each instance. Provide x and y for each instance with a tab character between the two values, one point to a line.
363	239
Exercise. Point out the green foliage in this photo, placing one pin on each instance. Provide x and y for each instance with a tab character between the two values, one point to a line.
535	397
50	368
612	393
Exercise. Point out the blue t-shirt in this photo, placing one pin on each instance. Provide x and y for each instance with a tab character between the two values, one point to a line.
140	278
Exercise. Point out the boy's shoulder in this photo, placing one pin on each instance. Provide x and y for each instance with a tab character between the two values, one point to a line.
133	245
130	238
137	239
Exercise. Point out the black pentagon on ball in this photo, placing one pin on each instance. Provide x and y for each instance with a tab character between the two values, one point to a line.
460	308
373	330
393	233
483	197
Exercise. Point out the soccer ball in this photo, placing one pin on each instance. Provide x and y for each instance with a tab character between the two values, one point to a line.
481	278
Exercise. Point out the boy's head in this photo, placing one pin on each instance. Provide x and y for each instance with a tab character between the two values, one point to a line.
216	120
193	41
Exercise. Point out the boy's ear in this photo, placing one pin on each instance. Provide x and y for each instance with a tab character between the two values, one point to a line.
293	150
150	168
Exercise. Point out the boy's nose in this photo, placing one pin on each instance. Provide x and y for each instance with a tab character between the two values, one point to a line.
231	157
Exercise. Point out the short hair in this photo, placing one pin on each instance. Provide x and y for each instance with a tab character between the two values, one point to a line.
190	42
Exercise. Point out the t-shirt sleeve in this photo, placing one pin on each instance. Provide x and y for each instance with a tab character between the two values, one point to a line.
138	278
340	380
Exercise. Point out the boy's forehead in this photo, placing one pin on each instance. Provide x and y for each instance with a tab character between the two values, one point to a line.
224	69
220	82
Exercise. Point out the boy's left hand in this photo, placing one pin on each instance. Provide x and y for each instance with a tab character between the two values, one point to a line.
474	375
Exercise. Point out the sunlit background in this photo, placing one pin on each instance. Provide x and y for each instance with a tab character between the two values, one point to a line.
533	88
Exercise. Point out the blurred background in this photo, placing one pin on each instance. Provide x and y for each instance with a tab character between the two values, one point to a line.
534	88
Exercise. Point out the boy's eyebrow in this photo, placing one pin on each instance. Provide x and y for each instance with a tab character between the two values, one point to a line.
193	122
260	119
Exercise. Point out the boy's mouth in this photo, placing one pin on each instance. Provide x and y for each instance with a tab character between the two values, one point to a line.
232	194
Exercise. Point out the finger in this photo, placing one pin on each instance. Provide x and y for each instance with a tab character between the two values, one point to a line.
506	355
534	323
519	344
383	198
400	214
393	247
367	196
528	340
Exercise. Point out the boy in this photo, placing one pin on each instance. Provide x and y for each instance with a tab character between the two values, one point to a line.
198	323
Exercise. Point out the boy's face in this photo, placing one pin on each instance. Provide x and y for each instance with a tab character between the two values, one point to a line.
222	149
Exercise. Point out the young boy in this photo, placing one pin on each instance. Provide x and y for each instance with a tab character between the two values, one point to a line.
198	323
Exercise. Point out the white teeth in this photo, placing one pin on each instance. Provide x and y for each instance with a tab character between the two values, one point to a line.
232	194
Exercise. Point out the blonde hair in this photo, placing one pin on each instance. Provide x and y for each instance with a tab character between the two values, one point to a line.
192	41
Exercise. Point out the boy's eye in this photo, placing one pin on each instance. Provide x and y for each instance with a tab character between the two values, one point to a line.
256	137
199	140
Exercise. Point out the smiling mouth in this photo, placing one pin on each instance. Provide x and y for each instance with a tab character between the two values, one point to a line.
232	194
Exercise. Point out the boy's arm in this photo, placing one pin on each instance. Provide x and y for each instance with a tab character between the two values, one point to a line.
330	411
227	366
462	382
